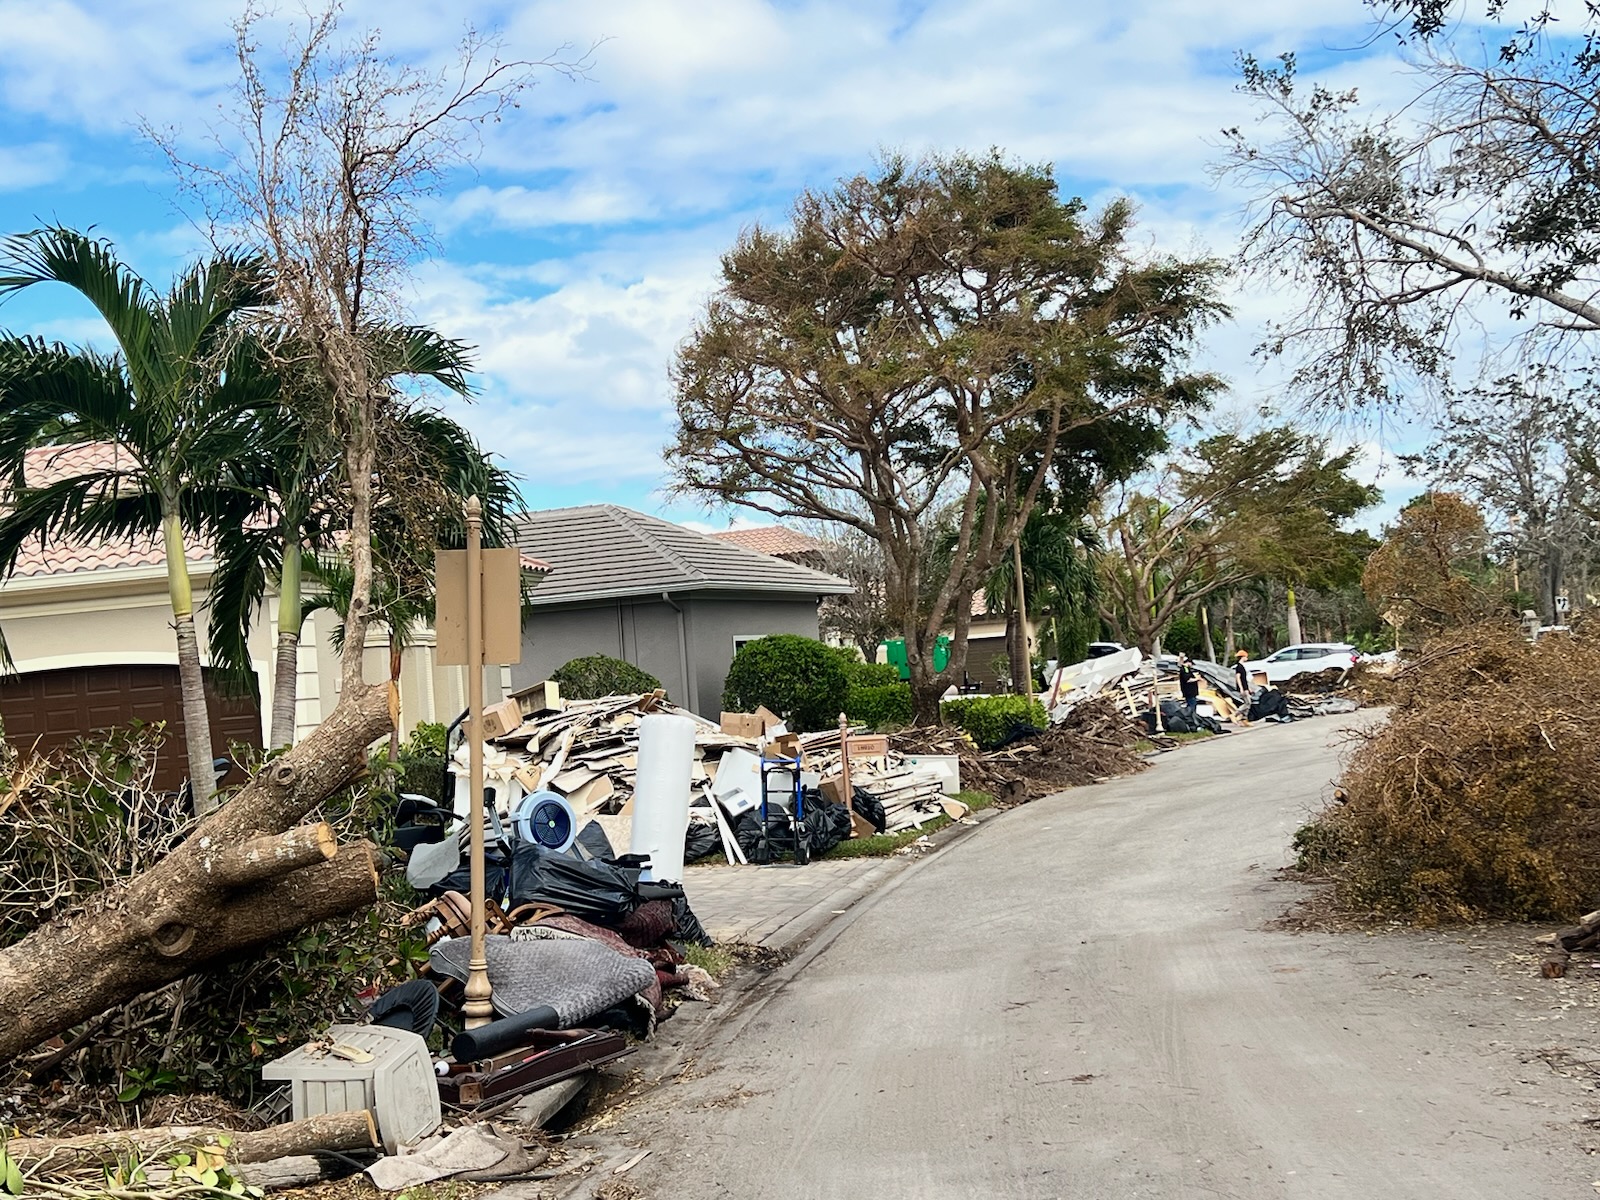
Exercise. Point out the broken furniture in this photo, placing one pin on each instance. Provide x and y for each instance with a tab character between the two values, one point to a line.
543	1057
366	1068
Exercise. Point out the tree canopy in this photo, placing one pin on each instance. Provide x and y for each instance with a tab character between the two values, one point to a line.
919	340
1233	507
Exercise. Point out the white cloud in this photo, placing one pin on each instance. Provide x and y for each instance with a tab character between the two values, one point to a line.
580	256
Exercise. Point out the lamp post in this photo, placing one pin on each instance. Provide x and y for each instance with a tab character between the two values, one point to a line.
478	1009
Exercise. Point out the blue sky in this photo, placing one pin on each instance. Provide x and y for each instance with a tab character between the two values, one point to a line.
578	253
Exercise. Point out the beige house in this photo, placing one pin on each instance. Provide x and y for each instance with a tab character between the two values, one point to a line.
90	633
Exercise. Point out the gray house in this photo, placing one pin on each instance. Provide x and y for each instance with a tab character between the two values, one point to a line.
673	602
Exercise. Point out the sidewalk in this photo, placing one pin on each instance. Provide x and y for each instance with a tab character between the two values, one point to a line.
780	906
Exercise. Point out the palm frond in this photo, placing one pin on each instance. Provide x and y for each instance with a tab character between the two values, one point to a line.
416	350
55	254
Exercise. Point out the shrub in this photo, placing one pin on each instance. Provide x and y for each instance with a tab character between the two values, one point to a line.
865	674
1183	637
880	706
1475	800
88	816
800	678
596	675
993	720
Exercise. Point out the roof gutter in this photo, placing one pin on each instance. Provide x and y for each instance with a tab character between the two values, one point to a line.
689	687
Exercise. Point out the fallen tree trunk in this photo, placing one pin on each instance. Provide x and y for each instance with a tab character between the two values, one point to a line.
244	878
330	1131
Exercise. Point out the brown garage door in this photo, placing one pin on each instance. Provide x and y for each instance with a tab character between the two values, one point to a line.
55	707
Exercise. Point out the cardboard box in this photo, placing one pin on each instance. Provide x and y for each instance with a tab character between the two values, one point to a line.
750	725
500	719
541	697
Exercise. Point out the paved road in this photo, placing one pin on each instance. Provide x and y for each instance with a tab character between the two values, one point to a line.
1081	1000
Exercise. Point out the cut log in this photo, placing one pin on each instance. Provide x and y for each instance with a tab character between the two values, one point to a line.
169	920
332	1131
272	855
277	1174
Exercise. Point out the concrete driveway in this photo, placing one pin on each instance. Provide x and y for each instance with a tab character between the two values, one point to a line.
1085	998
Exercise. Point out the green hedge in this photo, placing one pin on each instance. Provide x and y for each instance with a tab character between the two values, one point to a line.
880	706
990	720
867	675
799	678
597	675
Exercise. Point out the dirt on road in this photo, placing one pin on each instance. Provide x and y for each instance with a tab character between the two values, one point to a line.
1095	996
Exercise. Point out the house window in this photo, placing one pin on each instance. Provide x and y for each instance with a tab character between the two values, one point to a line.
740	639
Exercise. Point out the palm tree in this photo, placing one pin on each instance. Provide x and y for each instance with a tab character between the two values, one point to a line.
178	398
285	516
281	507
1057	553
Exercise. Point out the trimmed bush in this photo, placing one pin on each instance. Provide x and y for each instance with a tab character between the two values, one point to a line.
799	678
993	720
865	674
880	706
596	675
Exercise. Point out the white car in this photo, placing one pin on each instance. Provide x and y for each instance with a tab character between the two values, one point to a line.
1304	659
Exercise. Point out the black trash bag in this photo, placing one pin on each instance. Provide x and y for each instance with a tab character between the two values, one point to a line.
700	840
761	844
412	1005
689	927
1209	724
826	826
870	808
592	842
1174	718
496	874
1269	702
597	891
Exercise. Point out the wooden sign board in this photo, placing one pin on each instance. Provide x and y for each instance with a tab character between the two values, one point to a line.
502	607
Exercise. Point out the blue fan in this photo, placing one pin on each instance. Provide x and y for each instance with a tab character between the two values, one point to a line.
546	819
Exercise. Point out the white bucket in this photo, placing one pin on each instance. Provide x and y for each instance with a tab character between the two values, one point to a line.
661	794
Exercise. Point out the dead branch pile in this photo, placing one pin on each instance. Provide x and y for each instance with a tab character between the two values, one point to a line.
1317	683
1365	683
1563	943
1095	741
1476	799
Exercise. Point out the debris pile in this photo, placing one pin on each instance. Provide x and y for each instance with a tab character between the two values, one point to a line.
1476	799
1367	683
1095	740
1561	945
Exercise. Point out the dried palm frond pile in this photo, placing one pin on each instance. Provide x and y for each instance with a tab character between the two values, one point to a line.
1477	798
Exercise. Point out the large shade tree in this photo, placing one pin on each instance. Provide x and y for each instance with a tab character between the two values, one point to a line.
918	341
179	399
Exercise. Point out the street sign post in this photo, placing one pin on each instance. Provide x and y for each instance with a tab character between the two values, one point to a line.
477	622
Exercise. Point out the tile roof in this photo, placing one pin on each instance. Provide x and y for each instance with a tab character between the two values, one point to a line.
602	551
45	465
777	540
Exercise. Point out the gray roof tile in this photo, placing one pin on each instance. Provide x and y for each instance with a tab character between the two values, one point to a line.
601	551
